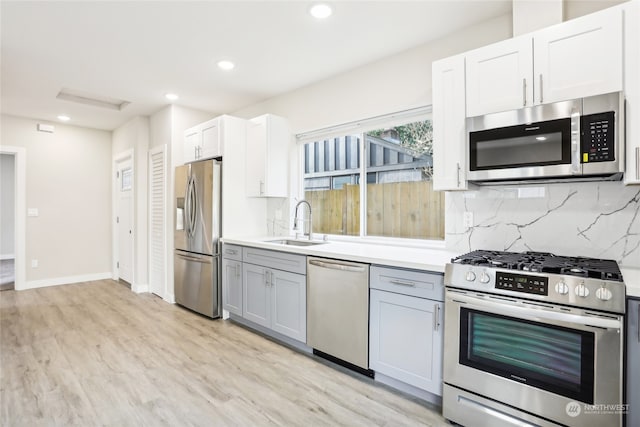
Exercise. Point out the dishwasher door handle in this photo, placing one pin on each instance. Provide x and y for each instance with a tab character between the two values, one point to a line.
336	265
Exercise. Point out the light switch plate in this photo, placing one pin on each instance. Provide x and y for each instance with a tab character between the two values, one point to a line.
34	263
32	212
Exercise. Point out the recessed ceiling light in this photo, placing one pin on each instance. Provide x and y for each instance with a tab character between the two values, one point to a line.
226	65
64	118
171	96
321	11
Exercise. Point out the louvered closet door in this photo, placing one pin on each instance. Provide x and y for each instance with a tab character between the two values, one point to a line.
157	231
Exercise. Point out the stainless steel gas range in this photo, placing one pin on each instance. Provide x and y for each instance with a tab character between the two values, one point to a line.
533	339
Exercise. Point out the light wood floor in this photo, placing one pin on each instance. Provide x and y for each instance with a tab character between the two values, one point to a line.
97	354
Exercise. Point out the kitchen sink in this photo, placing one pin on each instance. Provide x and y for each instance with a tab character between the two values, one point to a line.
295	242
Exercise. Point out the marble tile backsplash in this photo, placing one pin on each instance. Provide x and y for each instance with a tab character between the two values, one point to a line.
592	219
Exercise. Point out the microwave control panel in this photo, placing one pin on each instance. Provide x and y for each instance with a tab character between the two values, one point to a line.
598	137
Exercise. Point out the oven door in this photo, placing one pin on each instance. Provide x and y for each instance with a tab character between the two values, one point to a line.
535	358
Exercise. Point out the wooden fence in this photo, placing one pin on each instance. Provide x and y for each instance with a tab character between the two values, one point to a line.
399	209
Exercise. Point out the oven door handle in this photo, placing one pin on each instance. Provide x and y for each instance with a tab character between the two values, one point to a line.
536	313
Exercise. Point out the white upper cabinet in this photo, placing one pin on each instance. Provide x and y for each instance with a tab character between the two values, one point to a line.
211	146
449	135
575	59
192	142
203	141
267	159
579	58
499	77
632	94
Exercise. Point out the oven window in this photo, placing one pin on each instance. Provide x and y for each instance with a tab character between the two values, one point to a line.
552	358
537	144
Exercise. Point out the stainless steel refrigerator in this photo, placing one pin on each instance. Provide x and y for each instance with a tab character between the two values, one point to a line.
196	237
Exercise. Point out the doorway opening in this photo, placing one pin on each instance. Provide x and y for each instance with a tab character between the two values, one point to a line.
123	236
7	221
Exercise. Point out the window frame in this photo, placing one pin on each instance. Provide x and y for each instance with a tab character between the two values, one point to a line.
361	127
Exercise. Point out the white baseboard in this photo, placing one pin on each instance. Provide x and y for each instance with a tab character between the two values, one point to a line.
33	284
170	298
7	256
140	288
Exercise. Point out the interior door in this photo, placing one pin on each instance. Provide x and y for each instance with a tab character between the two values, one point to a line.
124	220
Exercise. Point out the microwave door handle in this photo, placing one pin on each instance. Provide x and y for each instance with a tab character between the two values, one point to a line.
576	165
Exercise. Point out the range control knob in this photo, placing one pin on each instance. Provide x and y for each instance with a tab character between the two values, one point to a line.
484	277
562	288
582	291
471	276
604	294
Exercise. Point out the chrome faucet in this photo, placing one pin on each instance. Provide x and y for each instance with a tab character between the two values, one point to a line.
295	219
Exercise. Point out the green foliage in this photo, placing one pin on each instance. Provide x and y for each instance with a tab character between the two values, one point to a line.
417	137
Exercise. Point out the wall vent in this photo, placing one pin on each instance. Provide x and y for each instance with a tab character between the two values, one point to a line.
46	128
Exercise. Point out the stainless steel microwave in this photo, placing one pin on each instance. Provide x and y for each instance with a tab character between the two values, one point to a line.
580	138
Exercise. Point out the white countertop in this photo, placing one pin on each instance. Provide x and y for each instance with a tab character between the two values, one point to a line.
631	278
418	258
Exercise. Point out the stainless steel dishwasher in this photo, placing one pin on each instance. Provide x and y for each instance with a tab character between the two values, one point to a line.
338	312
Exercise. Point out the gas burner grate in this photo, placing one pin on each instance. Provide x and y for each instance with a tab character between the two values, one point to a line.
544	262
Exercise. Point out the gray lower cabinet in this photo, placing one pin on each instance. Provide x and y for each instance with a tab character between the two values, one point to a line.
232	278
633	362
232	286
405	331
257	301
274	298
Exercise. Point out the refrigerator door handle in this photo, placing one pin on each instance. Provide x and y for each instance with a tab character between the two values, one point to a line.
193	206
193	258
187	207
196	204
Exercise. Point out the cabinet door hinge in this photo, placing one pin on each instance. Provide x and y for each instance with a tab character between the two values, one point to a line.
118	264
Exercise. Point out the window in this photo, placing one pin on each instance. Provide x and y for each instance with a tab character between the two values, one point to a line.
397	198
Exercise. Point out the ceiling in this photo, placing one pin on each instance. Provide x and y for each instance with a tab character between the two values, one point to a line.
139	51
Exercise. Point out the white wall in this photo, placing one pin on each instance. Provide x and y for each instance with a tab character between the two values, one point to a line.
576	8
395	83
68	179
7	205
134	135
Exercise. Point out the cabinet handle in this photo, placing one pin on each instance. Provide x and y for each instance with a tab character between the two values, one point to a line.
403	283
237	270
231	251
436	317
541	101
638	163
524	92
266	278
458	166
261	188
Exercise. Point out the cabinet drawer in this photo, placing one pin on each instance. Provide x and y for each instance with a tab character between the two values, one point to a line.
274	259
407	282
232	252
